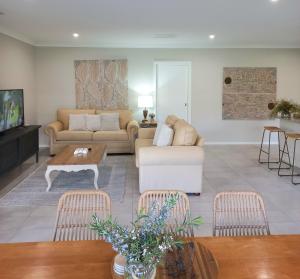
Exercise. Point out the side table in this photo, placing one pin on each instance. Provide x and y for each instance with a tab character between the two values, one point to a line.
148	124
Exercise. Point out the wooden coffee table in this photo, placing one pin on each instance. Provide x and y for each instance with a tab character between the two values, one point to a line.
66	161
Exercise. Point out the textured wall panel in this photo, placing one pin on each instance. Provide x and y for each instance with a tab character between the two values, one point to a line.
101	84
247	92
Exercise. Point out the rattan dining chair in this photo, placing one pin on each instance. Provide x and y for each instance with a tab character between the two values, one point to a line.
239	214
74	214
179	212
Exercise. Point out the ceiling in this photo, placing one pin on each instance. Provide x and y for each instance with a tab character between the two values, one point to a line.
153	23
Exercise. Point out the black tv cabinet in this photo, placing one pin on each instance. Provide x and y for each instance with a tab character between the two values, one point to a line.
17	145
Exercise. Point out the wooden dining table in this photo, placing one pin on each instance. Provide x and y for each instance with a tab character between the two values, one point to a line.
265	257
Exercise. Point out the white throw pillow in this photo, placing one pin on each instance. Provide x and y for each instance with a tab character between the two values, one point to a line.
165	136
155	139
77	122
93	122
110	121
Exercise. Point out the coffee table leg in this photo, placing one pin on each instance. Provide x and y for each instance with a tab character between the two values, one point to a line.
48	179
96	171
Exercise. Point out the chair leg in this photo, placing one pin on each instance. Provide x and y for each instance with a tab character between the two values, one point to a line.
279	144
293	166
261	147
281	158
269	150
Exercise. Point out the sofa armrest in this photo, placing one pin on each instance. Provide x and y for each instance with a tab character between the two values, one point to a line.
132	129
146	133
53	128
171	155
200	141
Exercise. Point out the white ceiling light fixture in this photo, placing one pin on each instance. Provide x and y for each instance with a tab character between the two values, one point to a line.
274	1
212	36
75	35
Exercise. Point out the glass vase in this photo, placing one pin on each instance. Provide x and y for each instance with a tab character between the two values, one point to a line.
140	271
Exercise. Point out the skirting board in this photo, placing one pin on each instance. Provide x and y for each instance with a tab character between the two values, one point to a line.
237	142
44	146
211	143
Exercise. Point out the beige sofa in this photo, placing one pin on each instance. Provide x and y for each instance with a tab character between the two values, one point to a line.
171	167
121	141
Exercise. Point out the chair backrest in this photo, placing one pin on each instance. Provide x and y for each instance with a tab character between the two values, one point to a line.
74	214
239	214
179	212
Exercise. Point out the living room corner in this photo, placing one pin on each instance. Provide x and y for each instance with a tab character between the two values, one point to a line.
116	132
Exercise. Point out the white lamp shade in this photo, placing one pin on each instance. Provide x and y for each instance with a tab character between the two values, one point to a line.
145	101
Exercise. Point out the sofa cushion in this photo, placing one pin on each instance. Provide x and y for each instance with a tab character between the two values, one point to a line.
110	121
120	135
185	134
171	120
63	115
156	135
93	122
125	116
77	122
171	156
68	135
163	136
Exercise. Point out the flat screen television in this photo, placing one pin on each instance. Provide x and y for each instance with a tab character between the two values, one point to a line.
11	109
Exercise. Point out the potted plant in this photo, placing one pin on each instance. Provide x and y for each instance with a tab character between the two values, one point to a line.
152	116
283	108
296	113
146	242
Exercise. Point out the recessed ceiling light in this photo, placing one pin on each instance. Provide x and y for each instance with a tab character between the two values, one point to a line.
75	35
212	36
273	1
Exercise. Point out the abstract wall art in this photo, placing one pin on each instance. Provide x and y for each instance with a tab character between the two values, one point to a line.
101	84
247	92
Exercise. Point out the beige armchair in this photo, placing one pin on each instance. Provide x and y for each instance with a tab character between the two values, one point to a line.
121	141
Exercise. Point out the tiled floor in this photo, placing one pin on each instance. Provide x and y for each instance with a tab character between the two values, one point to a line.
226	168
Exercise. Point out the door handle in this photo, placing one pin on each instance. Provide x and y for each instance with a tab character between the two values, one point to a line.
185	104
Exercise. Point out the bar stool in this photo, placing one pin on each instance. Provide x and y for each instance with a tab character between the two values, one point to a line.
295	137
272	129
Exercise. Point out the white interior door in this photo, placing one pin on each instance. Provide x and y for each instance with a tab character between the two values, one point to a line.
173	89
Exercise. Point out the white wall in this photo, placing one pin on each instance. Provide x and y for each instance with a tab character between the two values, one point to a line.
55	82
17	70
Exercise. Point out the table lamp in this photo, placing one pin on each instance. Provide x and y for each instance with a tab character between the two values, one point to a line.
145	102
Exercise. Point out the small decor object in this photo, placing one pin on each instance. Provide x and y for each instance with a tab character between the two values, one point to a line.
147	242
119	264
81	152
152	116
145	102
284	109
228	80
271	106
